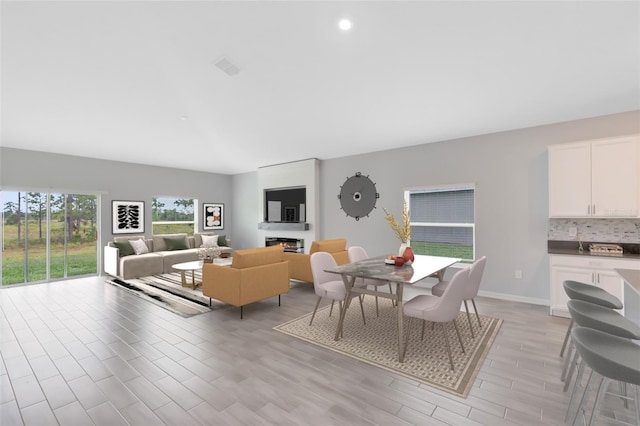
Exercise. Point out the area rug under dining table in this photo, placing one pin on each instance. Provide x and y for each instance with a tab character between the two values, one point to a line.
376	343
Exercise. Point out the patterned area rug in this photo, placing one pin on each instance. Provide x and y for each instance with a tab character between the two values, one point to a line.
376	343
166	290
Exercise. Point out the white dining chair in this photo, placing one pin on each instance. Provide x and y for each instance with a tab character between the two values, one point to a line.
442	309
357	253
326	284
470	291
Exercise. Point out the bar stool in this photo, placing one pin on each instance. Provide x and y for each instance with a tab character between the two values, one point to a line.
589	293
609	357
586	314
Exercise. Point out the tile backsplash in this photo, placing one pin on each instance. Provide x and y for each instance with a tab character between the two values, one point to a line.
600	230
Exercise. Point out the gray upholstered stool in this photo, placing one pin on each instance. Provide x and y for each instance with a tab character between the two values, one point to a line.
610	358
586	314
589	293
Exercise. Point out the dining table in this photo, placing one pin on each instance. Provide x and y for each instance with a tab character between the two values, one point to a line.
376	268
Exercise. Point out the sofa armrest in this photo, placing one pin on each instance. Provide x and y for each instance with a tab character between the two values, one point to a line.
239	287
111	260
299	266
221	283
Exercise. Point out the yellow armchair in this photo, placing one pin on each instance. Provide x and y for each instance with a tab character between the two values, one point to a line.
300	263
254	274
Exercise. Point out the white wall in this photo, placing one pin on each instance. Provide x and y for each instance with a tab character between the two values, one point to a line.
304	173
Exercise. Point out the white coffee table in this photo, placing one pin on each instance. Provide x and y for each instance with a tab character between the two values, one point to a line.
194	266
188	266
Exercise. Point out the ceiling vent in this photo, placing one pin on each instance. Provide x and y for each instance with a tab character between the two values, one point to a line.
227	66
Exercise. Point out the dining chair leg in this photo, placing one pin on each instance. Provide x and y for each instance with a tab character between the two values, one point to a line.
341	306
585	396
362	309
636	390
574	393
466	308
567	361
316	308
473	302
331	310
623	392
567	379
455	325
446	340
602	389
566	338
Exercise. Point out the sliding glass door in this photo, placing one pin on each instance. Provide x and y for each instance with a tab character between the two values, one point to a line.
48	236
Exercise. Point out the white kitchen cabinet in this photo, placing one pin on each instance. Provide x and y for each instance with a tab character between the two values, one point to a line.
598	178
595	270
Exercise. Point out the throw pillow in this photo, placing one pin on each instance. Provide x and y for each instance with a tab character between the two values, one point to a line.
124	248
176	243
209	241
139	246
222	240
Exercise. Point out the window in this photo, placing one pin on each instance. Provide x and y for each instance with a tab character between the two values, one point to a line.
172	215
47	236
442	221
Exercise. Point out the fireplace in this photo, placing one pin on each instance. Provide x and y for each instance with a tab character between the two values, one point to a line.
295	245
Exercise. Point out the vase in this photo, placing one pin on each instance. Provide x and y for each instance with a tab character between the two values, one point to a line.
402	248
207	260
407	255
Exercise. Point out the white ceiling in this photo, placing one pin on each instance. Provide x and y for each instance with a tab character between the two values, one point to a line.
136	81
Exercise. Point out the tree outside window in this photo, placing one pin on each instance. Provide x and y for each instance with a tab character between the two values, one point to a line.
172	215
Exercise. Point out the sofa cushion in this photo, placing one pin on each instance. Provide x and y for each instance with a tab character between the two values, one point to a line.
139	246
209	241
330	246
176	243
124	248
222	239
159	243
257	257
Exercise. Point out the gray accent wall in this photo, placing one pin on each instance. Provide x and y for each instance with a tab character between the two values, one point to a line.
508	169
112	180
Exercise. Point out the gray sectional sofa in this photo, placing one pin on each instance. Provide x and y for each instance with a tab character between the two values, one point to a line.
164	250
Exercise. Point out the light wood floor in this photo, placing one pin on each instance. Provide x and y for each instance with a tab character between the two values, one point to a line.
84	352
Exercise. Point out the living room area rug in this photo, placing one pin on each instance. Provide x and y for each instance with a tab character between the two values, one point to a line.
376	343
166	290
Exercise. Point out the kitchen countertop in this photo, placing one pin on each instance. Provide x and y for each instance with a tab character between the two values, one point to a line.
631	277
629	250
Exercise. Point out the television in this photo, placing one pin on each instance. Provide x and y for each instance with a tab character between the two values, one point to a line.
285	204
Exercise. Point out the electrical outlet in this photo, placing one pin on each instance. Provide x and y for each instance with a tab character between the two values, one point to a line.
573	232
518	274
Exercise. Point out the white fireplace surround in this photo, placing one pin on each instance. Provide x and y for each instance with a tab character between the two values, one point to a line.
304	173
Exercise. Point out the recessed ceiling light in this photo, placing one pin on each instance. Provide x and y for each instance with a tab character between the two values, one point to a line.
344	24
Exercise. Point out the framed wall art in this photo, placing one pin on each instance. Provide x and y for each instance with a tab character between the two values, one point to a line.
127	217
213	216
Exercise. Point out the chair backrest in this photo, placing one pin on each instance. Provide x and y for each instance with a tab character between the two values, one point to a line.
357	253
449	303
319	262
475	276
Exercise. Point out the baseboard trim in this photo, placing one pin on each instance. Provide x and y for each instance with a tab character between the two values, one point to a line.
512	298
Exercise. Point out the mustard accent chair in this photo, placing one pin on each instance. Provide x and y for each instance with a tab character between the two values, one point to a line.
300	263
255	274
